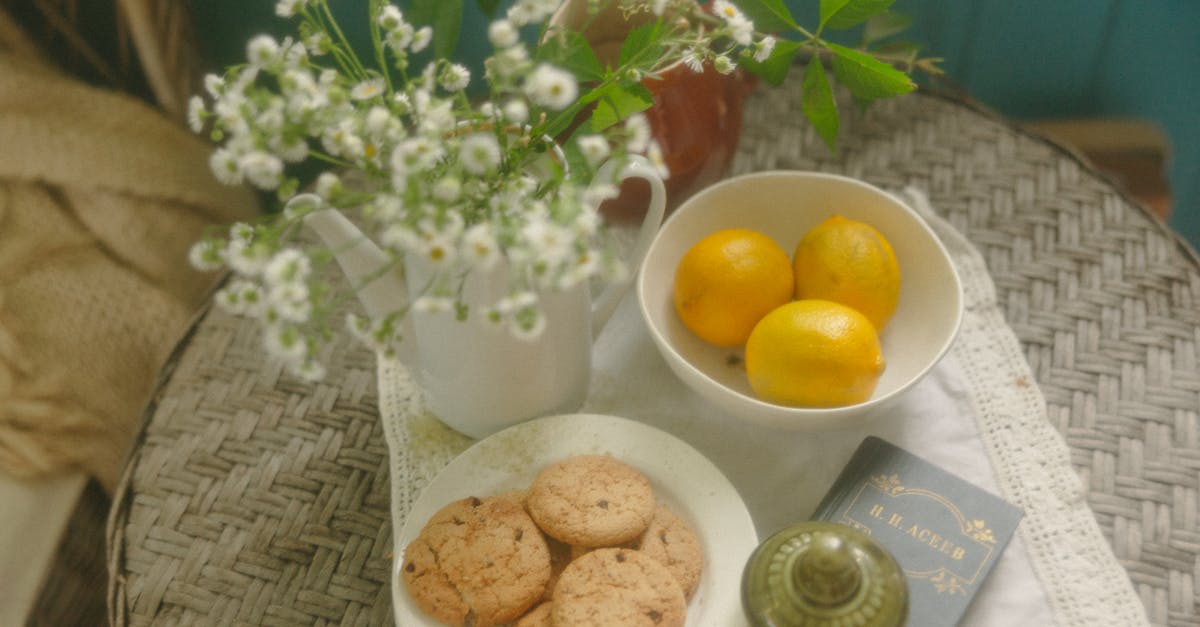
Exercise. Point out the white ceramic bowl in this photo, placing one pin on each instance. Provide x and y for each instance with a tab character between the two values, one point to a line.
785	205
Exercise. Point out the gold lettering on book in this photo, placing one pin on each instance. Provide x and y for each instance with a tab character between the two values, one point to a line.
886	507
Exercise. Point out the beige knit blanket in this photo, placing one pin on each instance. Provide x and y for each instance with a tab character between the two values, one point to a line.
101	196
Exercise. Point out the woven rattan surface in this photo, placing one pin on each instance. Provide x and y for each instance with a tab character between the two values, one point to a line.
253	498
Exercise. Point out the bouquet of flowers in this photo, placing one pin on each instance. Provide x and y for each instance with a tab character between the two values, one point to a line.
464	183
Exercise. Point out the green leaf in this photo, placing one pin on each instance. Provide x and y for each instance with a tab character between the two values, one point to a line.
642	44
867	77
885	25
775	69
445	16
817	103
617	103
571	50
843	14
769	16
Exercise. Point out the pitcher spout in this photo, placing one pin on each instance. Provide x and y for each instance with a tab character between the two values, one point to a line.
378	282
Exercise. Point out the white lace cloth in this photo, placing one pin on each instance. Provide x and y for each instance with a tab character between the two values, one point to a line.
978	414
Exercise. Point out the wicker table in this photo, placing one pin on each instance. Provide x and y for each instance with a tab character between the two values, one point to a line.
257	499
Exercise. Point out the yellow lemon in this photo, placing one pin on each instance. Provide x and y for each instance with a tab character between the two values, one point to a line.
852	263
814	353
728	281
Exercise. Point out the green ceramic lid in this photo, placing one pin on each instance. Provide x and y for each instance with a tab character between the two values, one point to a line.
819	573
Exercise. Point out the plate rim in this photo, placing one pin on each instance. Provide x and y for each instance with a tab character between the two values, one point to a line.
733	508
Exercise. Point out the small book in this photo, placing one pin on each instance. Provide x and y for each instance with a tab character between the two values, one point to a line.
944	532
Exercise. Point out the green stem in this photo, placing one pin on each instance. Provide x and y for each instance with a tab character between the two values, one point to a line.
374	10
343	41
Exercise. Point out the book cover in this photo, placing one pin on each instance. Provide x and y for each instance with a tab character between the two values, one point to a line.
944	532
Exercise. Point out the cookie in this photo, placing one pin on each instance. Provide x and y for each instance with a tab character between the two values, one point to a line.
591	501
477	562
618	588
537	617
671	541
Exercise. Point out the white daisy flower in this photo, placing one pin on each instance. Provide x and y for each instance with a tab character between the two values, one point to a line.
638	129
551	242
285	342
438	251
480	247
763	48
551	87
295	54
447	189
262	51
439	118
240	297
417	153
290	301
263	169
207	255
741	30
479	153
390	17
214	85
724	64
327	184
694	60
516	111
377	120
454	77
288	8
595	149
401	103
245	258
241	232
288	266
421	39
195	114
224	166
502	34
367	89
584	267
290	149
726	10
400	37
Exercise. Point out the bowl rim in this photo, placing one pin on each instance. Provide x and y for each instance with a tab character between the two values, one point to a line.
760	406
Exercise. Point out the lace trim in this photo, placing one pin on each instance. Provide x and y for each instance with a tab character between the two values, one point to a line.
1083	582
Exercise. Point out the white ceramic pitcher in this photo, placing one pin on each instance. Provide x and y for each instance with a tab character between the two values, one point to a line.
475	376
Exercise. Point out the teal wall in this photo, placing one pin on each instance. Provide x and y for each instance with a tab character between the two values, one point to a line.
1025	58
1076	59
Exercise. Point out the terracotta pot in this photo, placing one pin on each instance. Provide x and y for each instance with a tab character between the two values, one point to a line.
696	117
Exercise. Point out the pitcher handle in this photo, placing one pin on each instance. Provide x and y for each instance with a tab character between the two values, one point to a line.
606	303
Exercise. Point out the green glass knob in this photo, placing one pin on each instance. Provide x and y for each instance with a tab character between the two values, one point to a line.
820	573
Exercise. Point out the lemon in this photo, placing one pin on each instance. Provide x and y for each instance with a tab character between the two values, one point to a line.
726	283
814	353
852	263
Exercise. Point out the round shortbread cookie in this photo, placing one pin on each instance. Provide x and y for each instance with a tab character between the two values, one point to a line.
477	562
591	501
618	588
671	541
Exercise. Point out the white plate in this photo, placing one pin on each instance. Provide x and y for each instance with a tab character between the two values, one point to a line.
682	478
